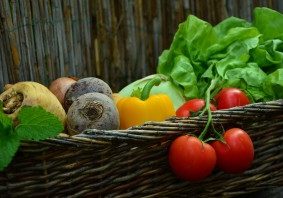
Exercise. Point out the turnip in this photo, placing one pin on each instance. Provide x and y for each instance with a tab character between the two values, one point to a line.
86	85
92	111
30	94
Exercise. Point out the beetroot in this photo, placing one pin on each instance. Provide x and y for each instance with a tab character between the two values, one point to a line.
92	111
83	86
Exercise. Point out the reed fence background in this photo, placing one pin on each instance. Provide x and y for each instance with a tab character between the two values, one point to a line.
117	41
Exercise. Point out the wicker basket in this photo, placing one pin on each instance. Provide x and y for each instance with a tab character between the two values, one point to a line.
134	163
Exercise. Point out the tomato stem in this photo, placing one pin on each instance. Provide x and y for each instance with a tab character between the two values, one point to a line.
207	108
147	88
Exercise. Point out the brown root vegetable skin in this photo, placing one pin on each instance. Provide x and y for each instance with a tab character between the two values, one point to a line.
30	94
92	111
7	86
60	86
86	85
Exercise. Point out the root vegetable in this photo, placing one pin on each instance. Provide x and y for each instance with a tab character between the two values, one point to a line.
86	85
30	94
92	111
60	86
7	86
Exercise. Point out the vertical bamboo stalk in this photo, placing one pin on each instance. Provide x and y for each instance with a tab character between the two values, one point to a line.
86	20
118	41
18	21
116	65
106	26
48	41
59	36
98	38
38	41
129	39
76	39
140	40
280	5
70	54
3	59
149	10
10	44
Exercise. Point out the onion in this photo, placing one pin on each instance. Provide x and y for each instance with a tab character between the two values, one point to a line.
60	86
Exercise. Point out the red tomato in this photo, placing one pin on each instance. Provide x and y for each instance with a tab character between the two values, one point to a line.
191	159
193	105
237	154
231	97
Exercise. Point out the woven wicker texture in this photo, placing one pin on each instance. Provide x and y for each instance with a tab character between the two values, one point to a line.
134	163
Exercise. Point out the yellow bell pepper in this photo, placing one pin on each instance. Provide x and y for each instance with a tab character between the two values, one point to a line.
116	97
137	110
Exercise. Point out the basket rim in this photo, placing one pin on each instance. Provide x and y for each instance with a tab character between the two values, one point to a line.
153	131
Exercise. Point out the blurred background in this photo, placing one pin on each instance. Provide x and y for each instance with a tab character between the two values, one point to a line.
117	41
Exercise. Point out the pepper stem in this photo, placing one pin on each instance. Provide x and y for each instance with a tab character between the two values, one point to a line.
147	88
207	108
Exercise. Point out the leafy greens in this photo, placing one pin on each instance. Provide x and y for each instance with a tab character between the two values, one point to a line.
247	55
35	123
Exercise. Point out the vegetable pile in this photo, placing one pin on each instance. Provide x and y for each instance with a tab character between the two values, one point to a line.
193	159
206	68
238	53
31	111
232	64
28	111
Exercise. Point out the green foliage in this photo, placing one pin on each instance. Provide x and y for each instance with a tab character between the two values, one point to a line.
243	54
37	124
34	124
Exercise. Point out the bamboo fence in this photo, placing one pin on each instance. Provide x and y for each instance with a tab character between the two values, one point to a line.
117	41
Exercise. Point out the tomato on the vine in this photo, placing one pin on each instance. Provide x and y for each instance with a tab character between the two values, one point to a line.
237	153
231	97
193	105
191	159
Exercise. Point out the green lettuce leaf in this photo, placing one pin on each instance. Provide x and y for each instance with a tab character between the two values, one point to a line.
249	78
273	84
239	32
184	75
269	23
192	39
237	52
269	55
